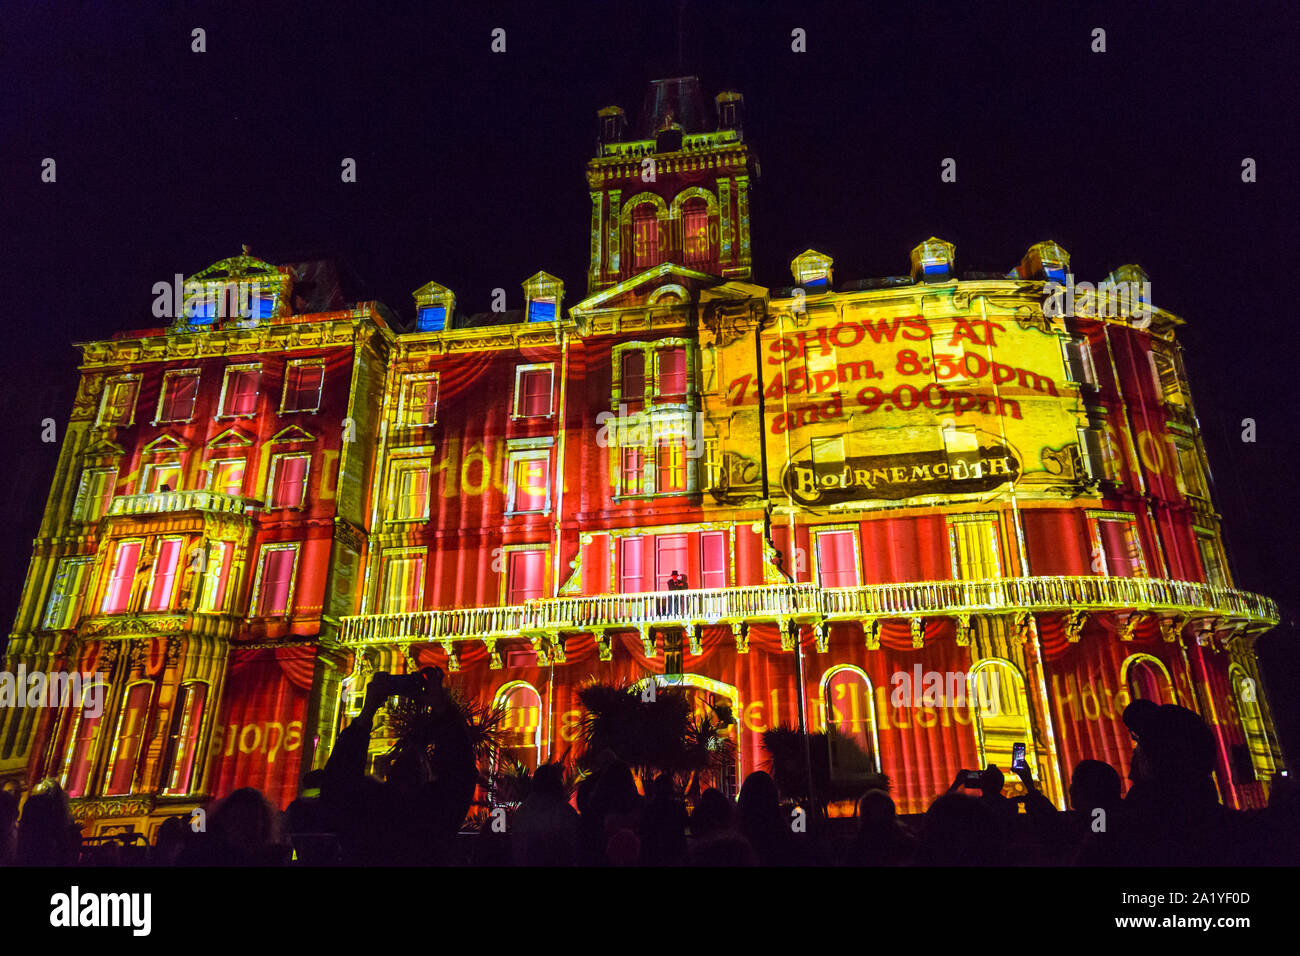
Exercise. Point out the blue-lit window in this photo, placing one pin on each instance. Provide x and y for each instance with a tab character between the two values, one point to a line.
541	310
263	306
432	318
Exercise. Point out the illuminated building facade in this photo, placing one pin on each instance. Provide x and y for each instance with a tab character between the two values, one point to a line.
934	479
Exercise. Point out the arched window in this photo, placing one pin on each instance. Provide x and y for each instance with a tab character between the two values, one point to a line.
128	743
999	707
1147	679
850	721
522	726
182	746
646	240
80	745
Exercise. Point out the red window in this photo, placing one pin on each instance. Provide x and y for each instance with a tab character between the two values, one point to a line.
1144	682
77	769
695	231
713	559
837	564
179	394
645	237
277	580
670	556
633	377
527	576
241	391
302	389
228	476
530	484
633	471
118	594
535	392
183	741
631	565
672	467
135	713
164	576
1118	541
672	372
290	489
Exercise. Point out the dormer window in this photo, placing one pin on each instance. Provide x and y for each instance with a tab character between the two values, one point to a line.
541	310
431	318
543	294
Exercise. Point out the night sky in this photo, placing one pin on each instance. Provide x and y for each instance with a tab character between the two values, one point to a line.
470	172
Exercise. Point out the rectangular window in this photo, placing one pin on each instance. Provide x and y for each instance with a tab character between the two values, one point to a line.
183	741
645	241
695	233
1078	360
1191	479
827	456
975	550
227	477
162	584
631	565
160	476
1216	574
431	318
672	372
671	467
129	739
949	360
411	481
94	494
118	404
533	389
117	596
239	391
713	559
541	310
302	387
81	755
633	370
837	558
216	577
670	556
1094	448
275	580
633	471
288	480
529	490
179	391
1120	547
420	401
1169	386
67	594
403	583
526	576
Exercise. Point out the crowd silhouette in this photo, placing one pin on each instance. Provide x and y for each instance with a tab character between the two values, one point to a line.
416	815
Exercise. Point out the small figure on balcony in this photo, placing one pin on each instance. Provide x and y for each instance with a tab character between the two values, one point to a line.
678	582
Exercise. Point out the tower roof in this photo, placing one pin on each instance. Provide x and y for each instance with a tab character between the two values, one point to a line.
681	97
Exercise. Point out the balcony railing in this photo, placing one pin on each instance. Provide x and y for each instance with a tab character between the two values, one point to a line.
164	502
808	602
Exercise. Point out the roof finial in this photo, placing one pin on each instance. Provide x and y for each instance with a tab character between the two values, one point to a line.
246	249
